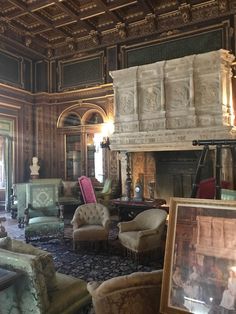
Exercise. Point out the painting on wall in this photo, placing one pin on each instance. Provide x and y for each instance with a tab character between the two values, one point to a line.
200	257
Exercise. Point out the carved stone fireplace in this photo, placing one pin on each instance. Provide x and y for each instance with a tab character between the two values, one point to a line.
162	107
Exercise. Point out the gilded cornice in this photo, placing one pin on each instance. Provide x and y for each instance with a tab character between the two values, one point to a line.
10	94
70	97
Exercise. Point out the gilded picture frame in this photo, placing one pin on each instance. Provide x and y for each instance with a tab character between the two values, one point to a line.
200	257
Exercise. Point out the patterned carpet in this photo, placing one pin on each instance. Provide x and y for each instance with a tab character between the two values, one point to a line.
97	264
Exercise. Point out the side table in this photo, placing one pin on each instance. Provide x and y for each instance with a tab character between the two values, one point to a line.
128	209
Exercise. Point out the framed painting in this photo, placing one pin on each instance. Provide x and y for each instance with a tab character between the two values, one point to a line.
200	258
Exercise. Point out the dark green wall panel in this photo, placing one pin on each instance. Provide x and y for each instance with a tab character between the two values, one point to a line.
111	61
9	68
41	76
177	48
82	72
28	84
53	66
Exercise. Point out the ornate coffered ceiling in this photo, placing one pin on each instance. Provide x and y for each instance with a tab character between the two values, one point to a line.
61	27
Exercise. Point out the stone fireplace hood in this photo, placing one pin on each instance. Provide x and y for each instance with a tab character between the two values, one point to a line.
168	104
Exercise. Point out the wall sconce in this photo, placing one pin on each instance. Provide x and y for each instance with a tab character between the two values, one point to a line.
105	142
107	129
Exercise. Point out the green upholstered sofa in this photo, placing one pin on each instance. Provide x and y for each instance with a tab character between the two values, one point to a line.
40	289
68	194
22	200
42	214
68	191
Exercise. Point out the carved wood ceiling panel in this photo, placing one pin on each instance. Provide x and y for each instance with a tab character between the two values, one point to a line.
61	27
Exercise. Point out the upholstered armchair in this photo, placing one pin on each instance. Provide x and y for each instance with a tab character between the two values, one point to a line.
40	289
137	293
143	233
87	190
90	223
103	196
43	218
109	191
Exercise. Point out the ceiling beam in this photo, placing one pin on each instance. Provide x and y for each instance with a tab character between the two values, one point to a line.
147	9
39	18
113	15
75	16
120	4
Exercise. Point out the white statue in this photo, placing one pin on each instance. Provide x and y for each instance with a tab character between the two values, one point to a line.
34	168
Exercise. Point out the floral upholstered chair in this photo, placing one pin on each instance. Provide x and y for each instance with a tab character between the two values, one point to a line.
42	215
137	293
40	289
91	223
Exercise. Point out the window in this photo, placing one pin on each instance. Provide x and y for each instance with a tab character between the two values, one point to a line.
73	156
71	120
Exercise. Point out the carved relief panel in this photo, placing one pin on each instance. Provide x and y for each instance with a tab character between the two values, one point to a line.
126	110
173	96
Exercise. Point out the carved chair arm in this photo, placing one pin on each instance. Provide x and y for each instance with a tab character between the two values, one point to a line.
60	210
27	215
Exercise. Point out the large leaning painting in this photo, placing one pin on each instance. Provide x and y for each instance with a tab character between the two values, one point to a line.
200	258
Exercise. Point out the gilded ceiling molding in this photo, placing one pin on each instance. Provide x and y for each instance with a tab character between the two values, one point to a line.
66	27
185	11
28	39
94	35
121	29
50	52
2	28
151	21
223	6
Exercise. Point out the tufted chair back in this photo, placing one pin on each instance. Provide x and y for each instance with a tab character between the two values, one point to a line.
90	222
91	214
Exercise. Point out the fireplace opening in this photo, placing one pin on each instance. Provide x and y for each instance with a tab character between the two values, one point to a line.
176	170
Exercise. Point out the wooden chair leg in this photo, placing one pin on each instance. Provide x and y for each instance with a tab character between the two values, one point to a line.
74	245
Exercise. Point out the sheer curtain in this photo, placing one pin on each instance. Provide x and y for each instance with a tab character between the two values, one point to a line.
8	171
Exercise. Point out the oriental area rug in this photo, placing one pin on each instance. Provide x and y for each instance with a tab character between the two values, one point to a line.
99	264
